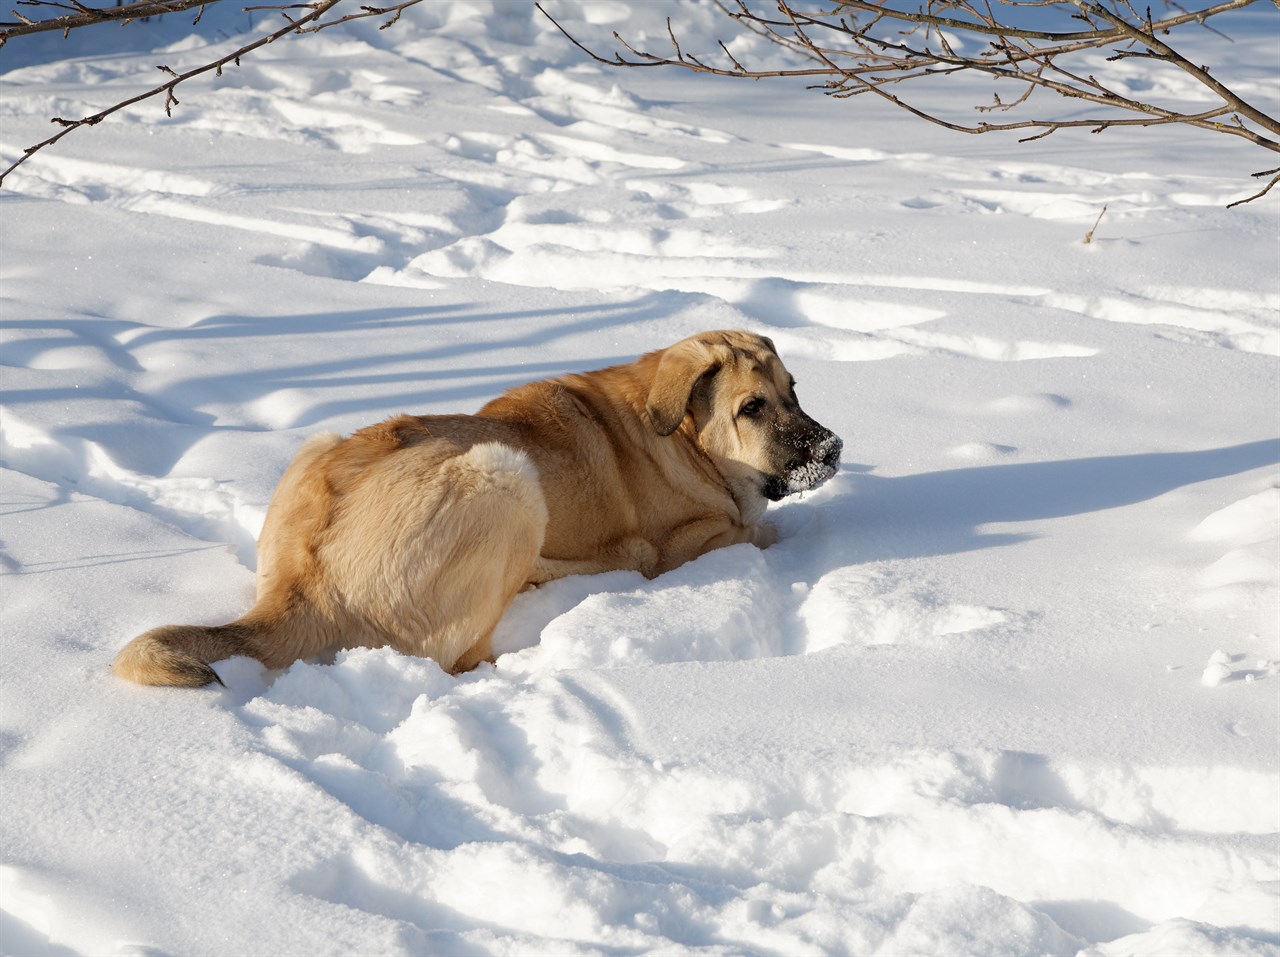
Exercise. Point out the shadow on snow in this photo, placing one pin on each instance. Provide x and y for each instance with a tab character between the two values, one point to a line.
939	513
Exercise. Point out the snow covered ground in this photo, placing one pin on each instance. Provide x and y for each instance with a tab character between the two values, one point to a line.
1008	684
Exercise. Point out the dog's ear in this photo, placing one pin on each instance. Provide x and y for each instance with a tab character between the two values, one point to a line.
679	370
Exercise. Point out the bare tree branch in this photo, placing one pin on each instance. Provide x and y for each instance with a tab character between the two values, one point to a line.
310	22
886	48
1275	178
84	15
852	48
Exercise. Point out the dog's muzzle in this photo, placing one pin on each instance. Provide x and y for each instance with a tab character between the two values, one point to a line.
802	475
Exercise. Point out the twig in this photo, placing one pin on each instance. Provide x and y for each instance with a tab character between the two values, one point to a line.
1275	178
1088	237
85	16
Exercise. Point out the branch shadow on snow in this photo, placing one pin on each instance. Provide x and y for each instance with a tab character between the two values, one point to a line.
940	513
433	360
426	367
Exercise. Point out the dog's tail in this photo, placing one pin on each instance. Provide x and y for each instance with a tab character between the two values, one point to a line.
179	655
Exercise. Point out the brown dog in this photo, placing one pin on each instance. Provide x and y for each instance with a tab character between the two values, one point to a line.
417	532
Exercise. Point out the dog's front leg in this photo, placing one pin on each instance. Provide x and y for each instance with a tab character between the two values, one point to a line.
704	535
763	534
482	650
626	554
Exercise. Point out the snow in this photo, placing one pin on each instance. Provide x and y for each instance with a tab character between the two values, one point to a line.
1006	684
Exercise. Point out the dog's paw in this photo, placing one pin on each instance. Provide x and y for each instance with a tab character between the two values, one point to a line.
764	534
638	554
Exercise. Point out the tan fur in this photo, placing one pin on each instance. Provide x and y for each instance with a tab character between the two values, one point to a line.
417	532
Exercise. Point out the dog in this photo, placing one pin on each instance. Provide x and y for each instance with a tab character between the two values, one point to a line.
418	532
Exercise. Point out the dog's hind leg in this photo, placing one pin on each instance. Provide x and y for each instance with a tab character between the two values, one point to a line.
482	650
467	555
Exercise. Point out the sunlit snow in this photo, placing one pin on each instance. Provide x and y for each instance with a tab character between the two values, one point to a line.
1006	685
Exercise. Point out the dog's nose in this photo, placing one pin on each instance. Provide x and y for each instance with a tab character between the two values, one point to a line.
837	446
828	448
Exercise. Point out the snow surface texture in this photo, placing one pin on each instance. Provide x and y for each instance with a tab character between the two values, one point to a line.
1007	685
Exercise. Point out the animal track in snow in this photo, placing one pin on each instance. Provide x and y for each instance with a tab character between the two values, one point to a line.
556	157
697	199
850	154
299	229
845	346
546	776
583	108
1035	190
634	239
202	507
1225	318
988	347
1033	204
345	130
185	197
100	180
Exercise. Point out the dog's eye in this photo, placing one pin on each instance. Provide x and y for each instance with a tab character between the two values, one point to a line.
751	407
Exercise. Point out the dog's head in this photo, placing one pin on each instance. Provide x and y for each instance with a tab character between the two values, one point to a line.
744	413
